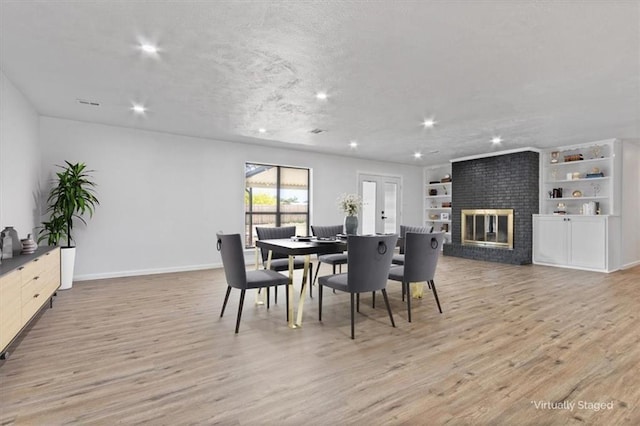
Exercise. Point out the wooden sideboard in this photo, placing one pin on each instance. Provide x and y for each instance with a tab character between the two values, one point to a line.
27	283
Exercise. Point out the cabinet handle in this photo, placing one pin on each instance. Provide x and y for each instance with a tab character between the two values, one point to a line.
36	259
36	295
36	277
21	268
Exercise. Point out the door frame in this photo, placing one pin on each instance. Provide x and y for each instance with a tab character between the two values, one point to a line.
360	174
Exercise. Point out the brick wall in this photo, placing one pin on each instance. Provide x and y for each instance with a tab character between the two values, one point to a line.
502	182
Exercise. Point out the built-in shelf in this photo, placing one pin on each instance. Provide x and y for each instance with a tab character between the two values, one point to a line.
433	203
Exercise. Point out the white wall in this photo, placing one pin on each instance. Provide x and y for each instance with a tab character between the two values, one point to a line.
19	160
163	196
630	255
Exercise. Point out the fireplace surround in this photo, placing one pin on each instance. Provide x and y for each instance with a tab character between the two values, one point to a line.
487	228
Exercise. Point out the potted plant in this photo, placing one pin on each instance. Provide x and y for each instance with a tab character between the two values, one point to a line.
71	197
350	204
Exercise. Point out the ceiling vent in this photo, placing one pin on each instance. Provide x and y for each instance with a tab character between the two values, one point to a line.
86	102
316	131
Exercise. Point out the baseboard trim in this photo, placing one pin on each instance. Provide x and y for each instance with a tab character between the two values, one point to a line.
630	265
139	272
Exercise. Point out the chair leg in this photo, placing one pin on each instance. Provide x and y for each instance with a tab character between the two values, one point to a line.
435	294
358	302
320	302
316	276
353	334
408	291
334	272
226	299
275	292
240	310
373	299
309	281
268	299
386	302
403	292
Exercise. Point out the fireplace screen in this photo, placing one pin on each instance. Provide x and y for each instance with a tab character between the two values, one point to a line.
488	227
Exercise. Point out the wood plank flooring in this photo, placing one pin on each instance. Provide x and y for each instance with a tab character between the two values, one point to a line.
512	341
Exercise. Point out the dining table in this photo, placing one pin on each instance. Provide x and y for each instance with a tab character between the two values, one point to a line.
293	247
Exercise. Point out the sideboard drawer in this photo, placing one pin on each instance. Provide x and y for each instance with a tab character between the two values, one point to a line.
10	307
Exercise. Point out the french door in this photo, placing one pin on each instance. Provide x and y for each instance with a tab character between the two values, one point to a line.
380	203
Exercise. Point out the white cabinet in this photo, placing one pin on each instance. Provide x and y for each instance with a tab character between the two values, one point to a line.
437	199
576	241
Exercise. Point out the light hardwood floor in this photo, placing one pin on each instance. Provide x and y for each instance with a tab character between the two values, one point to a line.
153	350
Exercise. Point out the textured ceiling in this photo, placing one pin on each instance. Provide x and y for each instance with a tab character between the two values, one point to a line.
537	73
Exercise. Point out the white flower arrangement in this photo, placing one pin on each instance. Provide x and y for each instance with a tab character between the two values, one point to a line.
350	204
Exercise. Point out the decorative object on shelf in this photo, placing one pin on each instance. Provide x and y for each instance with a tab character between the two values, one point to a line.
446	204
591	208
15	245
444	188
596	189
555	155
350	204
573	157
554	174
577	193
561	208
575	175
444	227
71	197
434	216
444	216
433	191
445	179
596	151
557	193
28	245
433	182
594	173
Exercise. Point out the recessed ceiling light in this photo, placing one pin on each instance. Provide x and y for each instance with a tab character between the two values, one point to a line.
353	144
321	95
417	155
429	123
149	48
262	130
496	139
138	109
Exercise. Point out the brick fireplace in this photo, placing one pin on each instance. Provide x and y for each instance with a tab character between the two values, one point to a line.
507	181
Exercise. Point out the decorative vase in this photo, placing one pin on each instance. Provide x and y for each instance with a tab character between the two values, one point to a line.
28	245
351	225
15	241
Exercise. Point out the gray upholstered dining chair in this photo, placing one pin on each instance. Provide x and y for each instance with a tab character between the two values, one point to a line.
333	259
398	259
421	258
231	250
280	262
369	261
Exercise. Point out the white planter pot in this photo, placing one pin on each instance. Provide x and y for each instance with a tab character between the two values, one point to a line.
67	262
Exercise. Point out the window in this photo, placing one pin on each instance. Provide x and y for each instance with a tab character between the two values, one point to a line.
275	196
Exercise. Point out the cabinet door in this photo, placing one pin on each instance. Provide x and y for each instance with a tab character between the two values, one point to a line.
588	242
550	240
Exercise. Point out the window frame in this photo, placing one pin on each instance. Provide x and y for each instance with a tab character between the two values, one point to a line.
248	209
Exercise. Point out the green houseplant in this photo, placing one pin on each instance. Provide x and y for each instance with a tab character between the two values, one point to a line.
72	197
